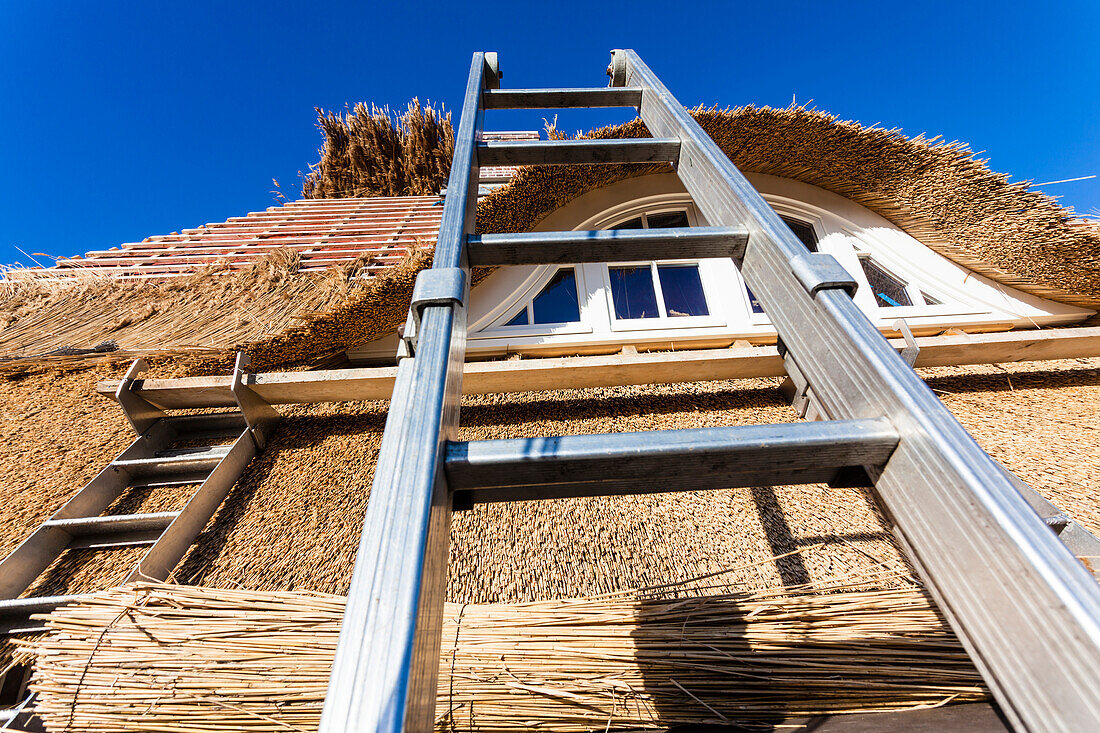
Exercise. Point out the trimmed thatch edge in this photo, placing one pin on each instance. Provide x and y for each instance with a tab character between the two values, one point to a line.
367	310
934	190
373	311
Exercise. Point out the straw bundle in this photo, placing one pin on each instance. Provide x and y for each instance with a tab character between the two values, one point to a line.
373	152
179	658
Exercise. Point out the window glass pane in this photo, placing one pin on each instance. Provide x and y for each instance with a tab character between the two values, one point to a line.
753	302
520	319
683	290
632	224
557	303
632	291
889	290
929	300
803	231
668	219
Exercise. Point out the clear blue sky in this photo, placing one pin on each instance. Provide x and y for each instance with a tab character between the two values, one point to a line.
123	120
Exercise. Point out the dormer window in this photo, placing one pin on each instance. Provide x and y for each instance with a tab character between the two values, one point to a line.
595	307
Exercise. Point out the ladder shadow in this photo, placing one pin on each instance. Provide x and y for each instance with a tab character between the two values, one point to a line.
782	540
1086	376
698	661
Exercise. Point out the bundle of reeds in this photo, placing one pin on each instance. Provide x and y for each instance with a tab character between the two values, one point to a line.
181	658
369	151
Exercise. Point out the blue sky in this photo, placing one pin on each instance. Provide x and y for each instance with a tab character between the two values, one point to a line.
132	119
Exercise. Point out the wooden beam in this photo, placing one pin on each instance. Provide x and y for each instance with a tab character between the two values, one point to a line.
578	372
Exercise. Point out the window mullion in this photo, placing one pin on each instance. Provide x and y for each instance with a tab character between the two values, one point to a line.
657	290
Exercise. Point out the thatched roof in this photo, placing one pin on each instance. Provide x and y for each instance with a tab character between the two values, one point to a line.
271	307
293	521
934	190
286	308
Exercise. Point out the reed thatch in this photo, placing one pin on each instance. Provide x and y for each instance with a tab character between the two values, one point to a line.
176	658
293	520
278	315
374	152
934	190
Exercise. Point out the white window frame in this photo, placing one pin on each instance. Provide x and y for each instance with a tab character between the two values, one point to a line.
843	228
838	237
533	288
644	210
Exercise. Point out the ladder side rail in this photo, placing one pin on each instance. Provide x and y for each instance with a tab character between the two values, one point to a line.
28	561
387	659
177	538
1027	609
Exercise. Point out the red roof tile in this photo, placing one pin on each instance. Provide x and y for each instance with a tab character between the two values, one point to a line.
325	232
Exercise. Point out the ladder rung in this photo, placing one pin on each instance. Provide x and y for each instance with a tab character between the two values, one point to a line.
564	152
82	526
174	464
561	98
544	248
664	460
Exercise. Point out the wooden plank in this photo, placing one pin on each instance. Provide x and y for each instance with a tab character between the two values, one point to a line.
578	372
563	152
561	98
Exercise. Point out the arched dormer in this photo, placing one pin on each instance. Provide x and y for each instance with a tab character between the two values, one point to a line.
679	304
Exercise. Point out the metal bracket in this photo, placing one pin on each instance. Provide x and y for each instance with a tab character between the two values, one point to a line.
820	271
798	391
435	286
909	353
617	69
139	411
258	414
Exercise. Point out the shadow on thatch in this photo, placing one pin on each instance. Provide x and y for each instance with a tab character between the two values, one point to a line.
995	381
751	663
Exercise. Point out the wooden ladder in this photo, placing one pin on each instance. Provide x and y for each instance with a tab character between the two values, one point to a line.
1022	603
150	463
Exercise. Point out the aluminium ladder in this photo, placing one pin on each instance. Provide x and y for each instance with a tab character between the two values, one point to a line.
1026	609
149	463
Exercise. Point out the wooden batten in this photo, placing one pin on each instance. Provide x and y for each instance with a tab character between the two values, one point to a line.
579	372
